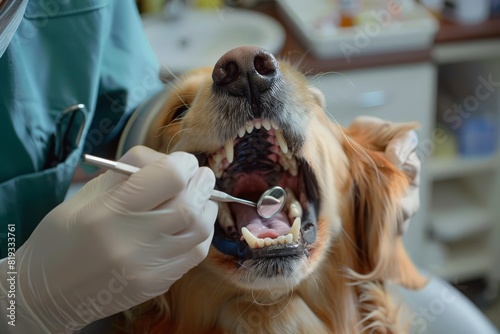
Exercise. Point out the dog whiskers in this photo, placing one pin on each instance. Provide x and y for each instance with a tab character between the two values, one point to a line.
286	305
348	238
170	142
171	77
162	129
315	279
217	288
319	75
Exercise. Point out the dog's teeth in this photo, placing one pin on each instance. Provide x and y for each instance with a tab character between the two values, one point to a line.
260	243
215	164
289	155
266	124
229	148
218	172
284	164
251	240
281	141
217	158
274	125
249	127
212	164
294	210
257	124
295	229
241	132
225	219
289	196
254	242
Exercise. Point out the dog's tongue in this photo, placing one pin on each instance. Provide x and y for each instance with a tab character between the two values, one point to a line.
247	216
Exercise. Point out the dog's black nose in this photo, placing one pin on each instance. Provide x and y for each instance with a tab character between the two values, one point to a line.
246	71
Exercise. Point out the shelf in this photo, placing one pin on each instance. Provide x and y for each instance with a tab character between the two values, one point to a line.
466	51
463	265
448	168
462	222
456	212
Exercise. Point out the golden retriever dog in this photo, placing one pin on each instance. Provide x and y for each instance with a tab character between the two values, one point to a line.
323	263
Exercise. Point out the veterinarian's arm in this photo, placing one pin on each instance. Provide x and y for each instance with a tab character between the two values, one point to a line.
116	243
401	152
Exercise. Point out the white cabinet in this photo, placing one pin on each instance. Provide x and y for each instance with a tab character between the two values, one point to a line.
398	93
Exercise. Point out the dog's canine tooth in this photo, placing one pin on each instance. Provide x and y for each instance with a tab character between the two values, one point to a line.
274	125
281	141
241	132
289	155
266	124
295	229
229	148
249	127
252	241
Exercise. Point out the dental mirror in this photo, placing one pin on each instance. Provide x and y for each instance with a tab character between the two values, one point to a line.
270	202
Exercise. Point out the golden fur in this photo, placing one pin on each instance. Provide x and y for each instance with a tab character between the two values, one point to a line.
339	288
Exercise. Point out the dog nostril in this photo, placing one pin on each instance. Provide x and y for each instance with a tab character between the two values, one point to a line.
226	73
264	64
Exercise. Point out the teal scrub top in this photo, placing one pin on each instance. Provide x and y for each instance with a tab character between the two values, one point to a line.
91	52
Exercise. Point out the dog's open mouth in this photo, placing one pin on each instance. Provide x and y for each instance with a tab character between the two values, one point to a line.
257	159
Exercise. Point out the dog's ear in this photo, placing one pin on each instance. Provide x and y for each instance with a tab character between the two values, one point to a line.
378	187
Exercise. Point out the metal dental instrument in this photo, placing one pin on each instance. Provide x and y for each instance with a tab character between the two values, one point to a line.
270	202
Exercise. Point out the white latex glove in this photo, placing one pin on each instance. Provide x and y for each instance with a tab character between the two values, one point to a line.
116	243
401	152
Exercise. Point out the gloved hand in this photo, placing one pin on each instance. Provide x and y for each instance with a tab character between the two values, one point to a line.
401	152
118	242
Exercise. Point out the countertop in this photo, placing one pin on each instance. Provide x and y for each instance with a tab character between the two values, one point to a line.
449	32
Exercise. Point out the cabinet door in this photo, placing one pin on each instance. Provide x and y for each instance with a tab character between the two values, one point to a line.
396	93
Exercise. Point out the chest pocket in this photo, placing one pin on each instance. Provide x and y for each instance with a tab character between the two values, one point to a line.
46	9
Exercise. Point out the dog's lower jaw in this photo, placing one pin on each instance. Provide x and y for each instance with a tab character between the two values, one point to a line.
277	275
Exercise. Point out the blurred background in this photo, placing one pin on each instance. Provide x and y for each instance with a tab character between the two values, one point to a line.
432	61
